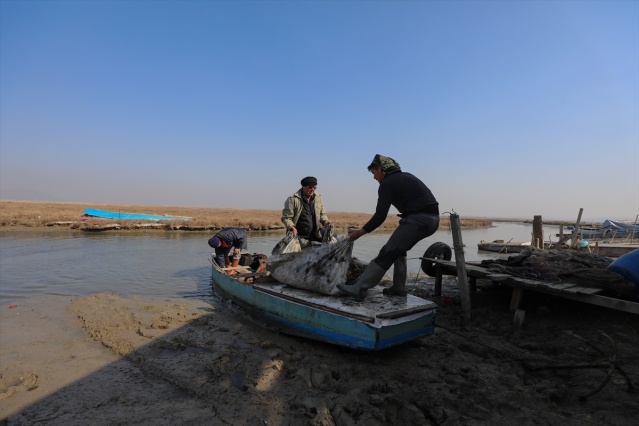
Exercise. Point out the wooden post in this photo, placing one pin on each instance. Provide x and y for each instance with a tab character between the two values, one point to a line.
519	318
538	233
462	278
573	240
439	271
515	299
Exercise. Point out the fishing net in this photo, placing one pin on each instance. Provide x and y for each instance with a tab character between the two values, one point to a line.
288	244
291	244
567	266
316	268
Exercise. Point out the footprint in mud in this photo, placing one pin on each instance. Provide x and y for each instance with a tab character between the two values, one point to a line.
18	382
238	381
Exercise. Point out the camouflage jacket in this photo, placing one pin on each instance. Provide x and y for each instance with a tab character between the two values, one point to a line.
293	209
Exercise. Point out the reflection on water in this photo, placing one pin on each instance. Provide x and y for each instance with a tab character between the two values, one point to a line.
167	264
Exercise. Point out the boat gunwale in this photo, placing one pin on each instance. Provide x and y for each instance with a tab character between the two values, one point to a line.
264	288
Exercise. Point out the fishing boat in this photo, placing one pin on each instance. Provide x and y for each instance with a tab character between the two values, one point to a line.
609	229
500	246
379	322
91	212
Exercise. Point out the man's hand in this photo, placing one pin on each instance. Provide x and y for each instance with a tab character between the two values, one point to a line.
294	231
236	251
354	234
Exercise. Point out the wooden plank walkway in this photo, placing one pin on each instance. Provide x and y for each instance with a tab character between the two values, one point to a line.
566	290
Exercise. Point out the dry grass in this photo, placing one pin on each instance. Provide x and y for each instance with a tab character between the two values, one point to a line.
36	214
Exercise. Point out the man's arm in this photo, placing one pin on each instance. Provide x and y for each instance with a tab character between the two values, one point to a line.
323	217
381	211
288	213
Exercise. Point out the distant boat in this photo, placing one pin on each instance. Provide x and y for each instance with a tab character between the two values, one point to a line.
499	246
91	212
609	229
376	323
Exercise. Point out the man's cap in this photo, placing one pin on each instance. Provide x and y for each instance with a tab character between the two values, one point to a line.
309	181
214	242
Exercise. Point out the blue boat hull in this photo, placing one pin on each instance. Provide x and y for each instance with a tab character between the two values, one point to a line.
331	319
123	215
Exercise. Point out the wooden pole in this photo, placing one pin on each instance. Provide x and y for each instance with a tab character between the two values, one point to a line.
462	278
439	272
505	247
573	240
538	232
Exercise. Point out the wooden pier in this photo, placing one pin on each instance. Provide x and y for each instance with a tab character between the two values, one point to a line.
566	290
611	249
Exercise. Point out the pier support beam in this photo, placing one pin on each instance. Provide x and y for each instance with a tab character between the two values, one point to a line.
573	238
460	261
538	233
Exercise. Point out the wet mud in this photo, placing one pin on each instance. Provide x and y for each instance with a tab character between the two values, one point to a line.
172	361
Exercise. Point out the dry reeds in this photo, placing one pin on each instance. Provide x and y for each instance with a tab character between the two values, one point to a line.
35	214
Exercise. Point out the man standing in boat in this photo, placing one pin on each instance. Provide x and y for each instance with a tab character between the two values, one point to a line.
419	213
225	240
303	213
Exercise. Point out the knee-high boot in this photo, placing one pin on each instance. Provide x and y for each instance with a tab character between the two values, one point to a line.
369	279
400	269
235	263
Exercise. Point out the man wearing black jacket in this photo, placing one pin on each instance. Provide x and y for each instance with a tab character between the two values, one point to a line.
419	212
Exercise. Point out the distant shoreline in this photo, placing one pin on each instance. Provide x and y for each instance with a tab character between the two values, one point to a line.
17	214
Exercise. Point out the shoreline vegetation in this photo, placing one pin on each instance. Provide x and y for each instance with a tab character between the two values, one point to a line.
60	215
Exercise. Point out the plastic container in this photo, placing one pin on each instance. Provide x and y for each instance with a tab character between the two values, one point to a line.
628	267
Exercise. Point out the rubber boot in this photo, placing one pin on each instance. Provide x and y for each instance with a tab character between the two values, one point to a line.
399	278
369	279
234	265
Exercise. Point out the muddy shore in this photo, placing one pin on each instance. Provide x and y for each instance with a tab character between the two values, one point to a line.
106	359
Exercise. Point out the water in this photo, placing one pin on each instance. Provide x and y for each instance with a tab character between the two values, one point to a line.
72	263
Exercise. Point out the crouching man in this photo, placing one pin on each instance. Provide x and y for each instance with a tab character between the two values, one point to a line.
225	240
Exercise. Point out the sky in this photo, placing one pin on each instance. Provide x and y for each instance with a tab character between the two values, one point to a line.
502	108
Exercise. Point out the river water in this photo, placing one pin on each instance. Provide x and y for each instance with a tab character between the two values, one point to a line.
171	264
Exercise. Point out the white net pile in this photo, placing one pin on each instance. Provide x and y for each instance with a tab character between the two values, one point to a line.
317	268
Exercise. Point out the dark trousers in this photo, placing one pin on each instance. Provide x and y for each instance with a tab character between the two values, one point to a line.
411	230
220	255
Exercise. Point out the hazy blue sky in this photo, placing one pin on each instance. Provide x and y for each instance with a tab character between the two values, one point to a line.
503	108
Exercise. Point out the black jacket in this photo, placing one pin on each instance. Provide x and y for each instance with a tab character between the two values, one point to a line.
234	236
406	193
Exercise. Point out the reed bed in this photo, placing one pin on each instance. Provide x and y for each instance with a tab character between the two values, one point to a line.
42	214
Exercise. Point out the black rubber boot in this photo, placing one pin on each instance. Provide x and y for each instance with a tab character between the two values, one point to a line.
399	278
369	279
